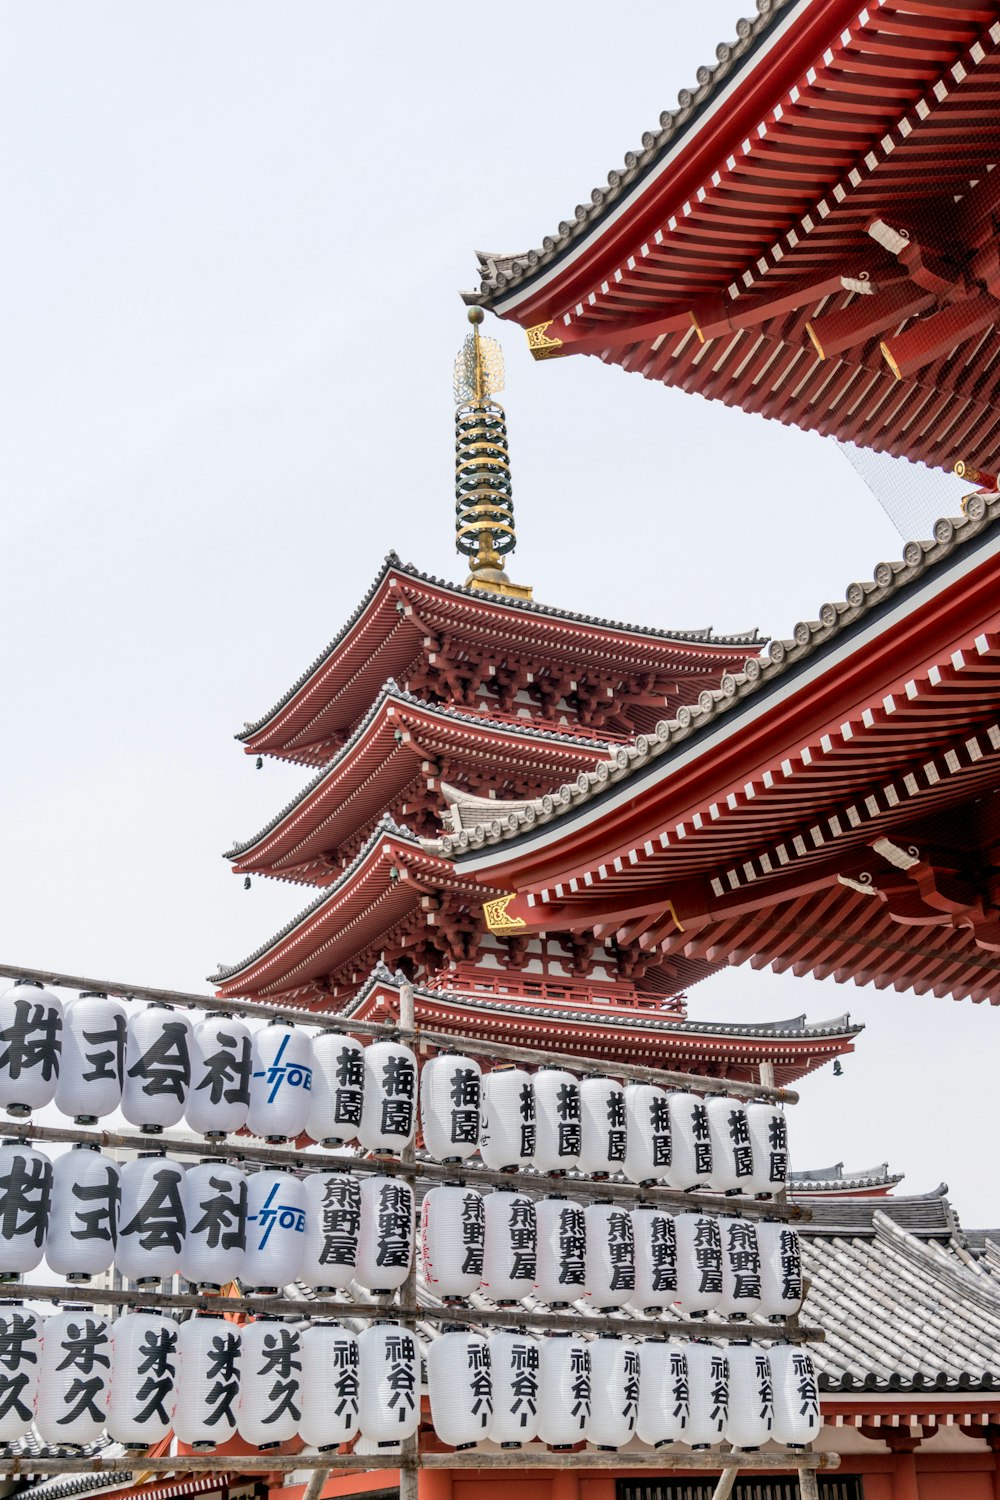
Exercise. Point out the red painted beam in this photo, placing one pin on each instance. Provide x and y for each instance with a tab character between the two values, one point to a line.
915	347
867	317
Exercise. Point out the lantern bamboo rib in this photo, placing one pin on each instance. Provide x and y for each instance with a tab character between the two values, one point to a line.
654	1196
503	1317
524	1458
696	1082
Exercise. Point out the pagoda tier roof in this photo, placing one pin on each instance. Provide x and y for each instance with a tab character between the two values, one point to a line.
392	881
824	192
405	617
793	817
382	759
825	1181
613	1030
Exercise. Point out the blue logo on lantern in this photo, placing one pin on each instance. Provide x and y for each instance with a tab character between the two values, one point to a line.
285	1215
294	1074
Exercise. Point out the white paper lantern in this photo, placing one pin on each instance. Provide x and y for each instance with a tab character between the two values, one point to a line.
732	1154
450	1100
152	1224
603	1129
209	1364
769	1144
281	1071
157	1068
460	1388
564	1390
663	1392
614	1405
31	1020
507	1124
219	1097
655	1240
514	1368
270	1389
337	1092
796	1395
143	1378
510	1248
609	1276
389	1391
74	1377
452	1230
333	1227
330	1385
388	1111
780	1270
25	1204
20	1360
385	1247
83	1225
276	1230
561	1251
699	1263
690	1143
740	1268
558	1134
647	1112
708	1382
751	1408
92	1059
215	1209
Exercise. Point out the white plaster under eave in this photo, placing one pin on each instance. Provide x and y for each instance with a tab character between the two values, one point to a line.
848	1439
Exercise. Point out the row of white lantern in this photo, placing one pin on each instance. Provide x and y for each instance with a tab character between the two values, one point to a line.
605	1254
280	1082
77	1375
562	1389
212	1223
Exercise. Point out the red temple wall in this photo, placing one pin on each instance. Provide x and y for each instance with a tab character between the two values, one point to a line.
935	1476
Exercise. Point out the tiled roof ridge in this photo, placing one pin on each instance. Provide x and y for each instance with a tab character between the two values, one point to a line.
391	689
704	637
835	1179
924	1255
381	975
501	273
808	636
386	825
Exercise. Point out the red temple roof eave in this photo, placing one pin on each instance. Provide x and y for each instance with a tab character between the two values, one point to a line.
352	788
350	660
824	35
873	649
383	885
713	129
772	213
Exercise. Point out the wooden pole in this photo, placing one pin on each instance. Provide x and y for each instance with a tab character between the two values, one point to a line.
406	1311
528	1458
808	1485
409	1482
724	1487
326	1021
430	1171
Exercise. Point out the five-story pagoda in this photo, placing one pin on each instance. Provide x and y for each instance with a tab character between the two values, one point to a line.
435	701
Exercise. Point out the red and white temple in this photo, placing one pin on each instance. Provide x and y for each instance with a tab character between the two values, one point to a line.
554	826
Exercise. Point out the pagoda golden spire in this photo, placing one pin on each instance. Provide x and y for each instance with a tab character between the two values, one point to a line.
484	506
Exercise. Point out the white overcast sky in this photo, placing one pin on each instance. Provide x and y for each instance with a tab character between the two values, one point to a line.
234	235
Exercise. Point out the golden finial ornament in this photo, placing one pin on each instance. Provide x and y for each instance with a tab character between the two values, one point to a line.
484	506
